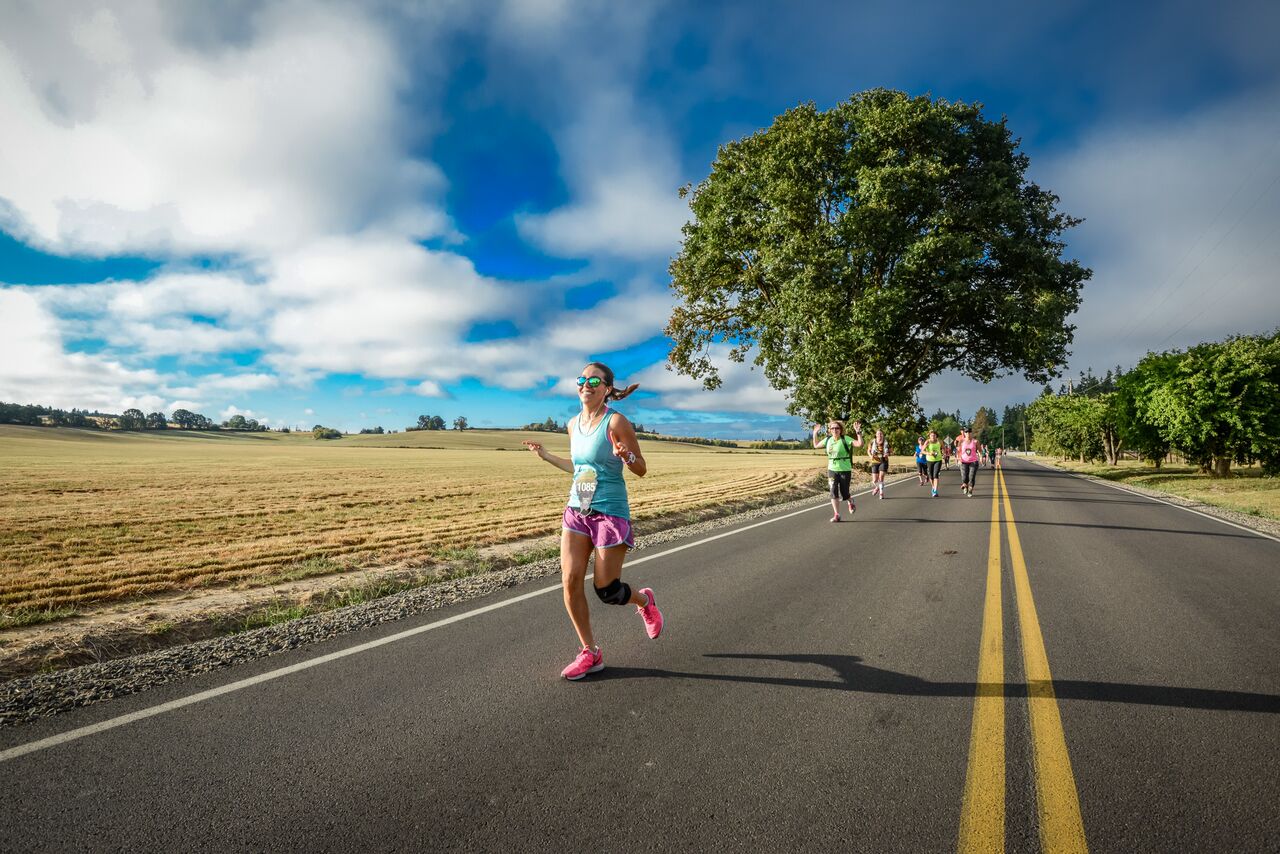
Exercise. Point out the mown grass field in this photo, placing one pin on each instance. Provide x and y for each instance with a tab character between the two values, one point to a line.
89	517
1246	491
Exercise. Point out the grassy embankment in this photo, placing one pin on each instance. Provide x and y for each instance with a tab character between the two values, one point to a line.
1246	491
90	518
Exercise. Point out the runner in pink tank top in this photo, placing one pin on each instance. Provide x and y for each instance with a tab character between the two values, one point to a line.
969	448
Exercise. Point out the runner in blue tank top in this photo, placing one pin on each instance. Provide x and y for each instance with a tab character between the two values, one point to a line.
601	443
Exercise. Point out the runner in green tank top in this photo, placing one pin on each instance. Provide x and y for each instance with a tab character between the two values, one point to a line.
933	458
839	463
598	515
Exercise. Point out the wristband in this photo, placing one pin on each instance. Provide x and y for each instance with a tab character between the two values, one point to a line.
631	458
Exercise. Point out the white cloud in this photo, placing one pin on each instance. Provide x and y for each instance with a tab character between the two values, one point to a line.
35	369
235	410
742	390
621	167
1180	231
134	140
636	314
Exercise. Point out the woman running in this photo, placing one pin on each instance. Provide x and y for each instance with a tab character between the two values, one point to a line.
946	453
598	516
969	448
933	452
922	461
839	463
999	454
879	454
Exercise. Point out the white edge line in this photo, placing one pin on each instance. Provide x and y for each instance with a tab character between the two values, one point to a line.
172	705
1079	475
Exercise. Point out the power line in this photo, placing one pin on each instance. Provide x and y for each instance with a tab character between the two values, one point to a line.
1232	270
1173	271
1196	315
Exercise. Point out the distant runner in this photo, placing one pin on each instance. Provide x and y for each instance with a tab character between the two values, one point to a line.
933	452
878	451
946	452
969	460
922	461
601	442
839	463
999	454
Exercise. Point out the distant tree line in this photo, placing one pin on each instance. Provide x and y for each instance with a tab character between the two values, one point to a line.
548	426
322	432
130	420
48	416
1217	403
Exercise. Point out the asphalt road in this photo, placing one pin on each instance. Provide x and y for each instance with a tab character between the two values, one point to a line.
814	689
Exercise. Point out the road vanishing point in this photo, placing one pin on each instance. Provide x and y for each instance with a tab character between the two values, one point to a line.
1052	665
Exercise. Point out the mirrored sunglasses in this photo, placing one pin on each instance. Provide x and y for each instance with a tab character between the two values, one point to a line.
590	382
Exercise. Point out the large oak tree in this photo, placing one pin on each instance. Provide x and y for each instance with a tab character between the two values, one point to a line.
856	252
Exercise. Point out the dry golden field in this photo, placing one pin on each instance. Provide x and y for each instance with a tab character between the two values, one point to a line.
88	517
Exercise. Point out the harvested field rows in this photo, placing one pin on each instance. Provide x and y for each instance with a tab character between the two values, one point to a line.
92	518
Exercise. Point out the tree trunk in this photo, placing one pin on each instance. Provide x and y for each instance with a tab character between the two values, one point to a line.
1222	467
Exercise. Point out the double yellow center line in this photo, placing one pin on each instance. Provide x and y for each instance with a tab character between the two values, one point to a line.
982	817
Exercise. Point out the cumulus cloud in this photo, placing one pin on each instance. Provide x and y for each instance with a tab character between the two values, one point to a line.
1180	231
623	173
35	368
131	139
743	389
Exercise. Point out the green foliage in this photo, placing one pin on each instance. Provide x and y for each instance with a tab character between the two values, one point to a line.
947	424
157	421
132	419
1217	402
188	420
859	251
548	426
1017	432
378	431
427	422
1068	425
38	416
321	432
1137	431
460	423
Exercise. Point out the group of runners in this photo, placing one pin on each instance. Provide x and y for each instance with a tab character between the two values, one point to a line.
597	517
931	453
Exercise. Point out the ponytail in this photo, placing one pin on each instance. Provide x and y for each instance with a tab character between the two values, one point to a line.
614	393
619	394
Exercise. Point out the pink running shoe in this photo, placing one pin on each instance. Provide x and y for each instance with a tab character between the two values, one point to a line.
588	661
650	614
835	518
853	508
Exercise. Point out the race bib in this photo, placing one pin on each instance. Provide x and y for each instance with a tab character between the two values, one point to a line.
584	486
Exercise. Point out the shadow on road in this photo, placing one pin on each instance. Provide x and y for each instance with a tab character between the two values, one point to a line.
853	675
1025	523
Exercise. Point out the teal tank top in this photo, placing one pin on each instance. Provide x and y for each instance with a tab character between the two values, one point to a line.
592	453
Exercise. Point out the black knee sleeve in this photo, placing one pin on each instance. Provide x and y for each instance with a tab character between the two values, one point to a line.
616	592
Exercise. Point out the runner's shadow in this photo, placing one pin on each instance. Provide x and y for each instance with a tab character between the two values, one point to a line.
851	674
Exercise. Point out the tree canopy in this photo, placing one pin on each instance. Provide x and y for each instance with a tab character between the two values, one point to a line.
857	252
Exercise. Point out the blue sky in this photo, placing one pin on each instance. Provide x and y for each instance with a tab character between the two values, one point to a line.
356	213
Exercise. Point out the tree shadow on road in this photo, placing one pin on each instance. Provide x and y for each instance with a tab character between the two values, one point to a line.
1024	523
851	674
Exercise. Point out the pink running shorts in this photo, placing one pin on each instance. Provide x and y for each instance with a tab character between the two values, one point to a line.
604	531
